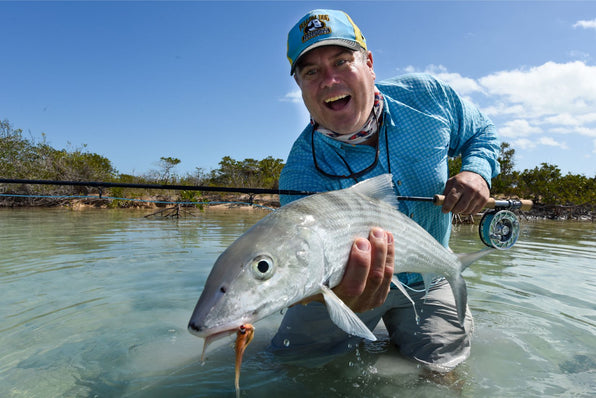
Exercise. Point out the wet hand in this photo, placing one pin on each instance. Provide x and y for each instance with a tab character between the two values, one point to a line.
367	279
465	193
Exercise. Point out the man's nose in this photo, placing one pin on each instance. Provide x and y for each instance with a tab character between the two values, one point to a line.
329	77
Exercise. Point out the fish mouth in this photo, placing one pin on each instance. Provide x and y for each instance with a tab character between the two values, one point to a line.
214	336
214	332
197	327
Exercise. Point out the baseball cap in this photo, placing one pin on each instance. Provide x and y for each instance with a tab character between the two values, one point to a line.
322	28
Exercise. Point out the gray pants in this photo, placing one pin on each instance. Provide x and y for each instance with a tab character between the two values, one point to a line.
437	341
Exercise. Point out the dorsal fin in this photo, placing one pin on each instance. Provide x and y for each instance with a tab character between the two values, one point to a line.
379	188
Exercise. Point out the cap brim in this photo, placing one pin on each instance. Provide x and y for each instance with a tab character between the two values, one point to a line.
352	45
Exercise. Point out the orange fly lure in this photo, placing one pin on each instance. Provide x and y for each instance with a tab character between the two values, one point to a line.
243	338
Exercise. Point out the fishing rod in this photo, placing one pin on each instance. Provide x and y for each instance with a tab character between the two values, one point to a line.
437	199
522	204
499	227
104	184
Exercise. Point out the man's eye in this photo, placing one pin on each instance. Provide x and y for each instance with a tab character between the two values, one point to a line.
309	72
341	62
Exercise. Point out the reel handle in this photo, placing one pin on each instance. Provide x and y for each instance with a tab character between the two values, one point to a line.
522	204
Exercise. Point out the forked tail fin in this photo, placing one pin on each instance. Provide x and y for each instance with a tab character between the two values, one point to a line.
468	258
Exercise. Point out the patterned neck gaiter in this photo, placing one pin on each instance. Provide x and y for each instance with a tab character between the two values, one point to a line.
369	129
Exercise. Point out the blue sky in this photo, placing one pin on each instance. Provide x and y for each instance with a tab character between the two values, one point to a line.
135	81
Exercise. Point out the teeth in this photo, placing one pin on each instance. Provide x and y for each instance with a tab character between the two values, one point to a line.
328	100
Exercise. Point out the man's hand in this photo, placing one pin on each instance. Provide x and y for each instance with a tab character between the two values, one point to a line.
367	279
465	193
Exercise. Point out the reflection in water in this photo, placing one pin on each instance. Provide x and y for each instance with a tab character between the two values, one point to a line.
95	303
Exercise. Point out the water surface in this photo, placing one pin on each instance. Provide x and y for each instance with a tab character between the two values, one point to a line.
95	303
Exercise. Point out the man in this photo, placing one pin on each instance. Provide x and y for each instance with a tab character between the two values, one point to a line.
407	126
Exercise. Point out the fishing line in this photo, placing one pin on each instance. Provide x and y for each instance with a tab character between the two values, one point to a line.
433	283
412	289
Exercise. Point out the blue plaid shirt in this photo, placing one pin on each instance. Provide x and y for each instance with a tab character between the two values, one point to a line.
425	122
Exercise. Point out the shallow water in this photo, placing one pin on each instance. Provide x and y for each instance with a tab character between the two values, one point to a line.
95	303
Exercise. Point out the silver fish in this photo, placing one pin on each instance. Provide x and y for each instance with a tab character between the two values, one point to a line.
302	249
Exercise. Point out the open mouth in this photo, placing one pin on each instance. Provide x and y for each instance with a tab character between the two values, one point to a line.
214	331
338	103
214	337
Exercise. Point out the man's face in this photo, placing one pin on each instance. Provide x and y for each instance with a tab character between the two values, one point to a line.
337	87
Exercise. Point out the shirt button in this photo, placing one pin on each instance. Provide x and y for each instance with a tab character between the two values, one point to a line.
411	215
398	182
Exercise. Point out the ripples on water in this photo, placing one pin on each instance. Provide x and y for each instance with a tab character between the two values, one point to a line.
95	303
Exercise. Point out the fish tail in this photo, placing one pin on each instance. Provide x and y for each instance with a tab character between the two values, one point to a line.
468	258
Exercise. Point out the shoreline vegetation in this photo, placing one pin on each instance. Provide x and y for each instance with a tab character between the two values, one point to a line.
555	196
170	205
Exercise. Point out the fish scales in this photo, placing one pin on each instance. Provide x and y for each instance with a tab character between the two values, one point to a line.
344	216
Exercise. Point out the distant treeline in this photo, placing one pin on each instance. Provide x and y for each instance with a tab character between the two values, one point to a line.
23	157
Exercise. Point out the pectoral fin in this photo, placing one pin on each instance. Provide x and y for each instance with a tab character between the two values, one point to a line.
344	317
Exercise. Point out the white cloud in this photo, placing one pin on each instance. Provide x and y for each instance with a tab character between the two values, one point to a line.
523	143
546	90
572	124
503	109
526	143
553	97
534	108
293	96
585	24
588	117
564	119
518	128
586	131
548	141
463	85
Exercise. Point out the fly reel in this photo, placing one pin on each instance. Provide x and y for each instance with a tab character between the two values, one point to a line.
499	229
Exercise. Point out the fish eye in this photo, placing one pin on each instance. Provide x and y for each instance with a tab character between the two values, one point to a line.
263	267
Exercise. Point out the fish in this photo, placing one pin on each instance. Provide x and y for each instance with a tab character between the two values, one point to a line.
302	249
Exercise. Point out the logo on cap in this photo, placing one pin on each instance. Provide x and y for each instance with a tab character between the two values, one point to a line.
314	26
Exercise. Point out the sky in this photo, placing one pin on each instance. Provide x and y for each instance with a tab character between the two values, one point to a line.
135	81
